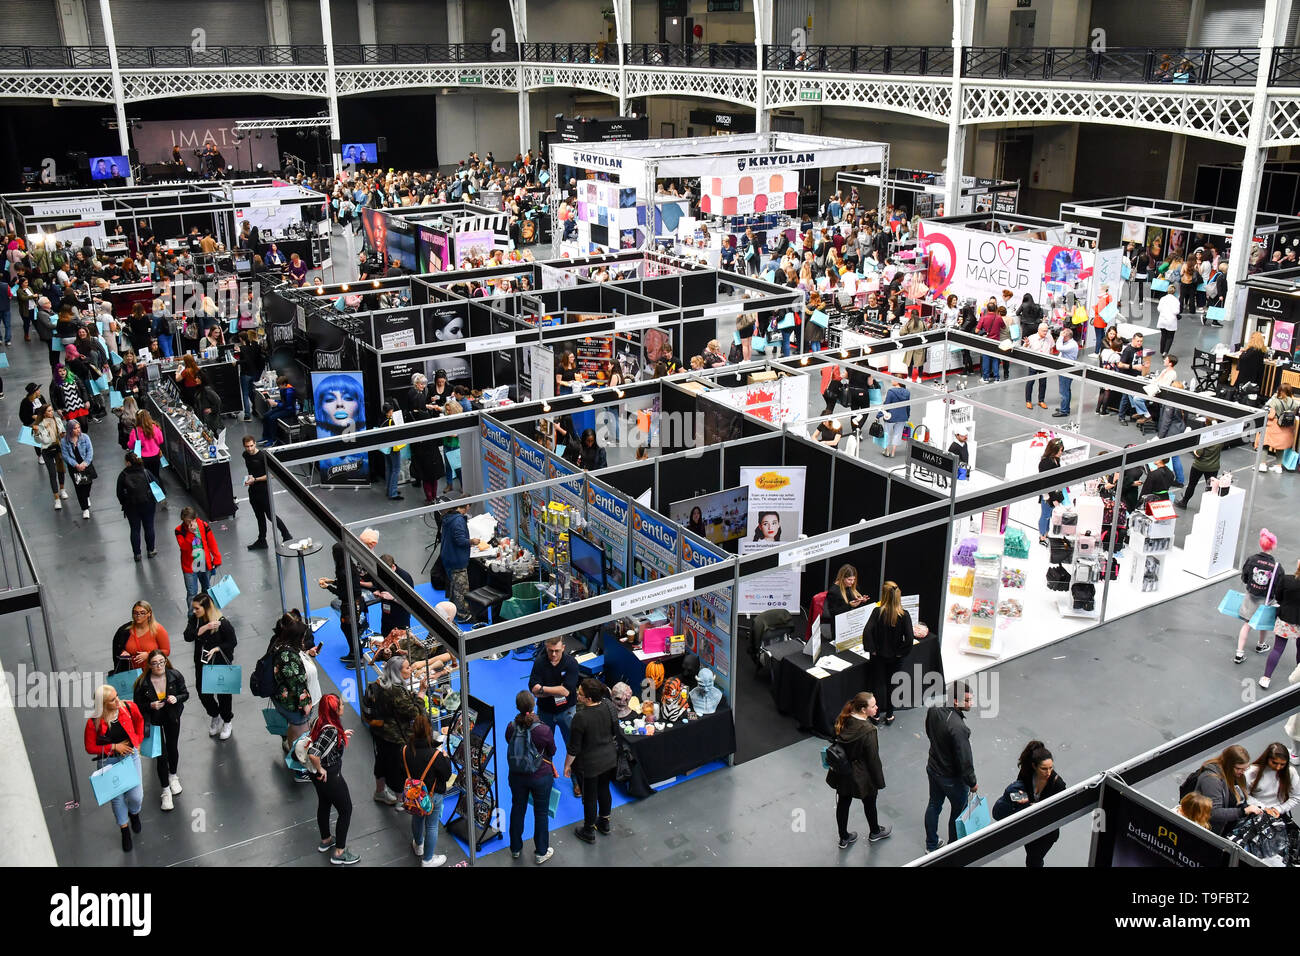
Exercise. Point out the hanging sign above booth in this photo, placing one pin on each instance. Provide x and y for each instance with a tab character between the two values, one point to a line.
730	122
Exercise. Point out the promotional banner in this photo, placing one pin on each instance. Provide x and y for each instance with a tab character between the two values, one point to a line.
776	498
706	618
530	467
433	250
570	492
782	400
971	262
655	546
1106	272
267	214
339	400
154	140
498	473
541	368
607	523
475	244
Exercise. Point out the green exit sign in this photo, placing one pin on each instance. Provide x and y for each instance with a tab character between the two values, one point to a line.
548	77
811	94
467	79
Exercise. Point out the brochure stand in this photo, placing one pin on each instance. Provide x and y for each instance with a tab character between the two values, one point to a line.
479	747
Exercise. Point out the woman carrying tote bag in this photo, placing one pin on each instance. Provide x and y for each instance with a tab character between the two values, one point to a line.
113	735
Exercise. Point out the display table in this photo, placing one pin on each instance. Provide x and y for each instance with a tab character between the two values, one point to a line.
673	753
302	554
206	479
623	664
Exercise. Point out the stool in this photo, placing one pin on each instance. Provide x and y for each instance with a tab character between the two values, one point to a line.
483	599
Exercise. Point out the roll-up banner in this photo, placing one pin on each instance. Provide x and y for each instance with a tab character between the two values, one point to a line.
339	400
608	514
706	618
776	497
498	472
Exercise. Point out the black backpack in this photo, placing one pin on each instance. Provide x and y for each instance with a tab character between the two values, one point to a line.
1189	785
261	683
837	759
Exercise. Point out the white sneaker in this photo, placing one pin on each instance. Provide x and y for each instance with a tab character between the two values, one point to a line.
85	513
1295	757
1263	468
1276	469
174	785
226	728
214	726
1264	682
167	800
63	494
58	505
438	860
539	860
417	848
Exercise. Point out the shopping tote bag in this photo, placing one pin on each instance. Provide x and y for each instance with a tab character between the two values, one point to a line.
1231	603
222	679
114	779
975	818
124	682
1264	618
553	804
151	746
224	591
275	722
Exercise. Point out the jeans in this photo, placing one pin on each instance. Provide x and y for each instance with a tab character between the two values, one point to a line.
596	799
952	789
333	793
261	502
246	393
1044	518
562	720
521	788
1042	389
1063	384
166	346
394	459
129	802
1176	462
195	581
5	315
1133	401
844	803
989	367
424	830
166	764
137	519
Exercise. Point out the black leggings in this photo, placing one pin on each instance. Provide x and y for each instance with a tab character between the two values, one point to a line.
1166	340
843	801
388	764
333	793
596	800
1036	850
1192	478
83	494
1187	296
167	762
55	467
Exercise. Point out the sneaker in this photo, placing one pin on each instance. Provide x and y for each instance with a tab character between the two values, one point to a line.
226	728
257	546
542	858
516	854
603	827
1239	658
1276	469
214	726
437	860
1263	468
346	858
85	513
1060	414
58	505
324	846
848	841
138	559
63	494
174	784
418	848
881	834
1262	648
301	776
931	849
585	834
167	800
386	796
1264	682
152	554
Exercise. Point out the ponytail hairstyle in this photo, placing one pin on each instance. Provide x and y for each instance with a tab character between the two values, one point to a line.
524	703
1035	752
860	701
891	603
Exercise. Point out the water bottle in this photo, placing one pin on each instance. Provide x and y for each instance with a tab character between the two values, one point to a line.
212	451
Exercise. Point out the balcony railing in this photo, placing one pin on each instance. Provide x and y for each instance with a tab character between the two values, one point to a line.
897	60
1203	66
1208	66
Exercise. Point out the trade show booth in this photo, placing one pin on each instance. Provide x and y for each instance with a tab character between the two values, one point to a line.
922	192
420	239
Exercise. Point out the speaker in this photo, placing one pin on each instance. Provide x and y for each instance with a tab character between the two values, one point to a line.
381	144
133	155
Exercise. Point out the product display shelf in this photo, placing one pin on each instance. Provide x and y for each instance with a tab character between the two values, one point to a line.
1151	541
188	447
478	745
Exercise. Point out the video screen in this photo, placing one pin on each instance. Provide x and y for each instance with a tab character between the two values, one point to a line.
109	167
587	557
360	153
718	518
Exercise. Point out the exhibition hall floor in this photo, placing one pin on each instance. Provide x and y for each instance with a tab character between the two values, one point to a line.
1095	699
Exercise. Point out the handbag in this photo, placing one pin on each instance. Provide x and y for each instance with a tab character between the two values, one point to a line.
1231	603
224	591
1005	805
151	746
975	817
275	722
222	679
876	429
124	682
1215	313
114	779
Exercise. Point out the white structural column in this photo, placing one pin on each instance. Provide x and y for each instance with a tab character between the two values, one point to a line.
623	32
367	32
1276	14
519	17
278	31
1178	141
963	24
762	40
331	88
119	96
455	21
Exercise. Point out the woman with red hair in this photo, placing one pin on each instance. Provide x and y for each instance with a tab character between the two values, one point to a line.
321	749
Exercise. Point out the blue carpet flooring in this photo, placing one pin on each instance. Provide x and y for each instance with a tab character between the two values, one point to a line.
494	682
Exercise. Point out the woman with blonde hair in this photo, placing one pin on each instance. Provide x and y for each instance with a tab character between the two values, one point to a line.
843	594
48	431
865	778
114	732
214	642
887	637
134	640
1196	808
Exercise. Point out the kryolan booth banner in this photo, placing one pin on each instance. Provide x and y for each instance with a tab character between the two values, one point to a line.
776	497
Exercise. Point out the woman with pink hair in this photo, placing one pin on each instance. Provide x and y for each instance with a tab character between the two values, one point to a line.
1260	574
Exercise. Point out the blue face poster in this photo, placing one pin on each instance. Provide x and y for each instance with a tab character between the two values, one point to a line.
706	618
607	522
497	472
530	467
655	546
339	400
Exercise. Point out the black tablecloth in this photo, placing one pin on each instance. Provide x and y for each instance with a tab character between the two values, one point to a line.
680	750
815	702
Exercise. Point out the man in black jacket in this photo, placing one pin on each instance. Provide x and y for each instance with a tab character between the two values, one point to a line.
950	767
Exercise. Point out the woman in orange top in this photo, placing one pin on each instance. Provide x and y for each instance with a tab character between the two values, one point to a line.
135	639
190	379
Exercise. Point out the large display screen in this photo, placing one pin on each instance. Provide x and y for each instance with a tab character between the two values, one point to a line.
109	167
358	154
587	557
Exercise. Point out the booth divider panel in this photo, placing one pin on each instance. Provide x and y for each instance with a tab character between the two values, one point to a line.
699	288
752	454
632	481
687	477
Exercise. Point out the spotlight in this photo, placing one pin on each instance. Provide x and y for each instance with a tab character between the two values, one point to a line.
189	169
375	283
259	167
804	360
229	168
344	287
546	407
844	353
618	392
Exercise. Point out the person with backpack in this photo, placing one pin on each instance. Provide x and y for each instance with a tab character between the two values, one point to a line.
390	709
1261	574
855	773
322	751
593	757
424	788
294	687
114	732
135	494
1280	428
530	752
950	766
1221	780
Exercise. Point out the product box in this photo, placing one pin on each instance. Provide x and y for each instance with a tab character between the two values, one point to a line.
655	640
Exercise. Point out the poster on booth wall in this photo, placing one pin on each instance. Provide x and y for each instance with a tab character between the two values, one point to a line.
607	523
969	262
570	492
498	473
530	467
1106	272
655	546
706	618
474	244
340	402
434	253
776	497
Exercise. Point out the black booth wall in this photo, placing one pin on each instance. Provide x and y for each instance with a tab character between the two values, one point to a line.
687	477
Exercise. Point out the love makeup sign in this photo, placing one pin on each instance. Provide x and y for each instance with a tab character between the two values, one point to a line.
969	262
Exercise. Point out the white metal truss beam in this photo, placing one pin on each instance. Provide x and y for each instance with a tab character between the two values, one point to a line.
302	122
734	87
929	97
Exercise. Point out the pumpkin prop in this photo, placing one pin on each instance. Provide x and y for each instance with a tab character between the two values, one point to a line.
655	672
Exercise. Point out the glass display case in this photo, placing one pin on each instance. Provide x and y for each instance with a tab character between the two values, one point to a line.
191	450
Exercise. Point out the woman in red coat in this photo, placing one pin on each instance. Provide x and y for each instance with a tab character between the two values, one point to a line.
199	553
114	733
